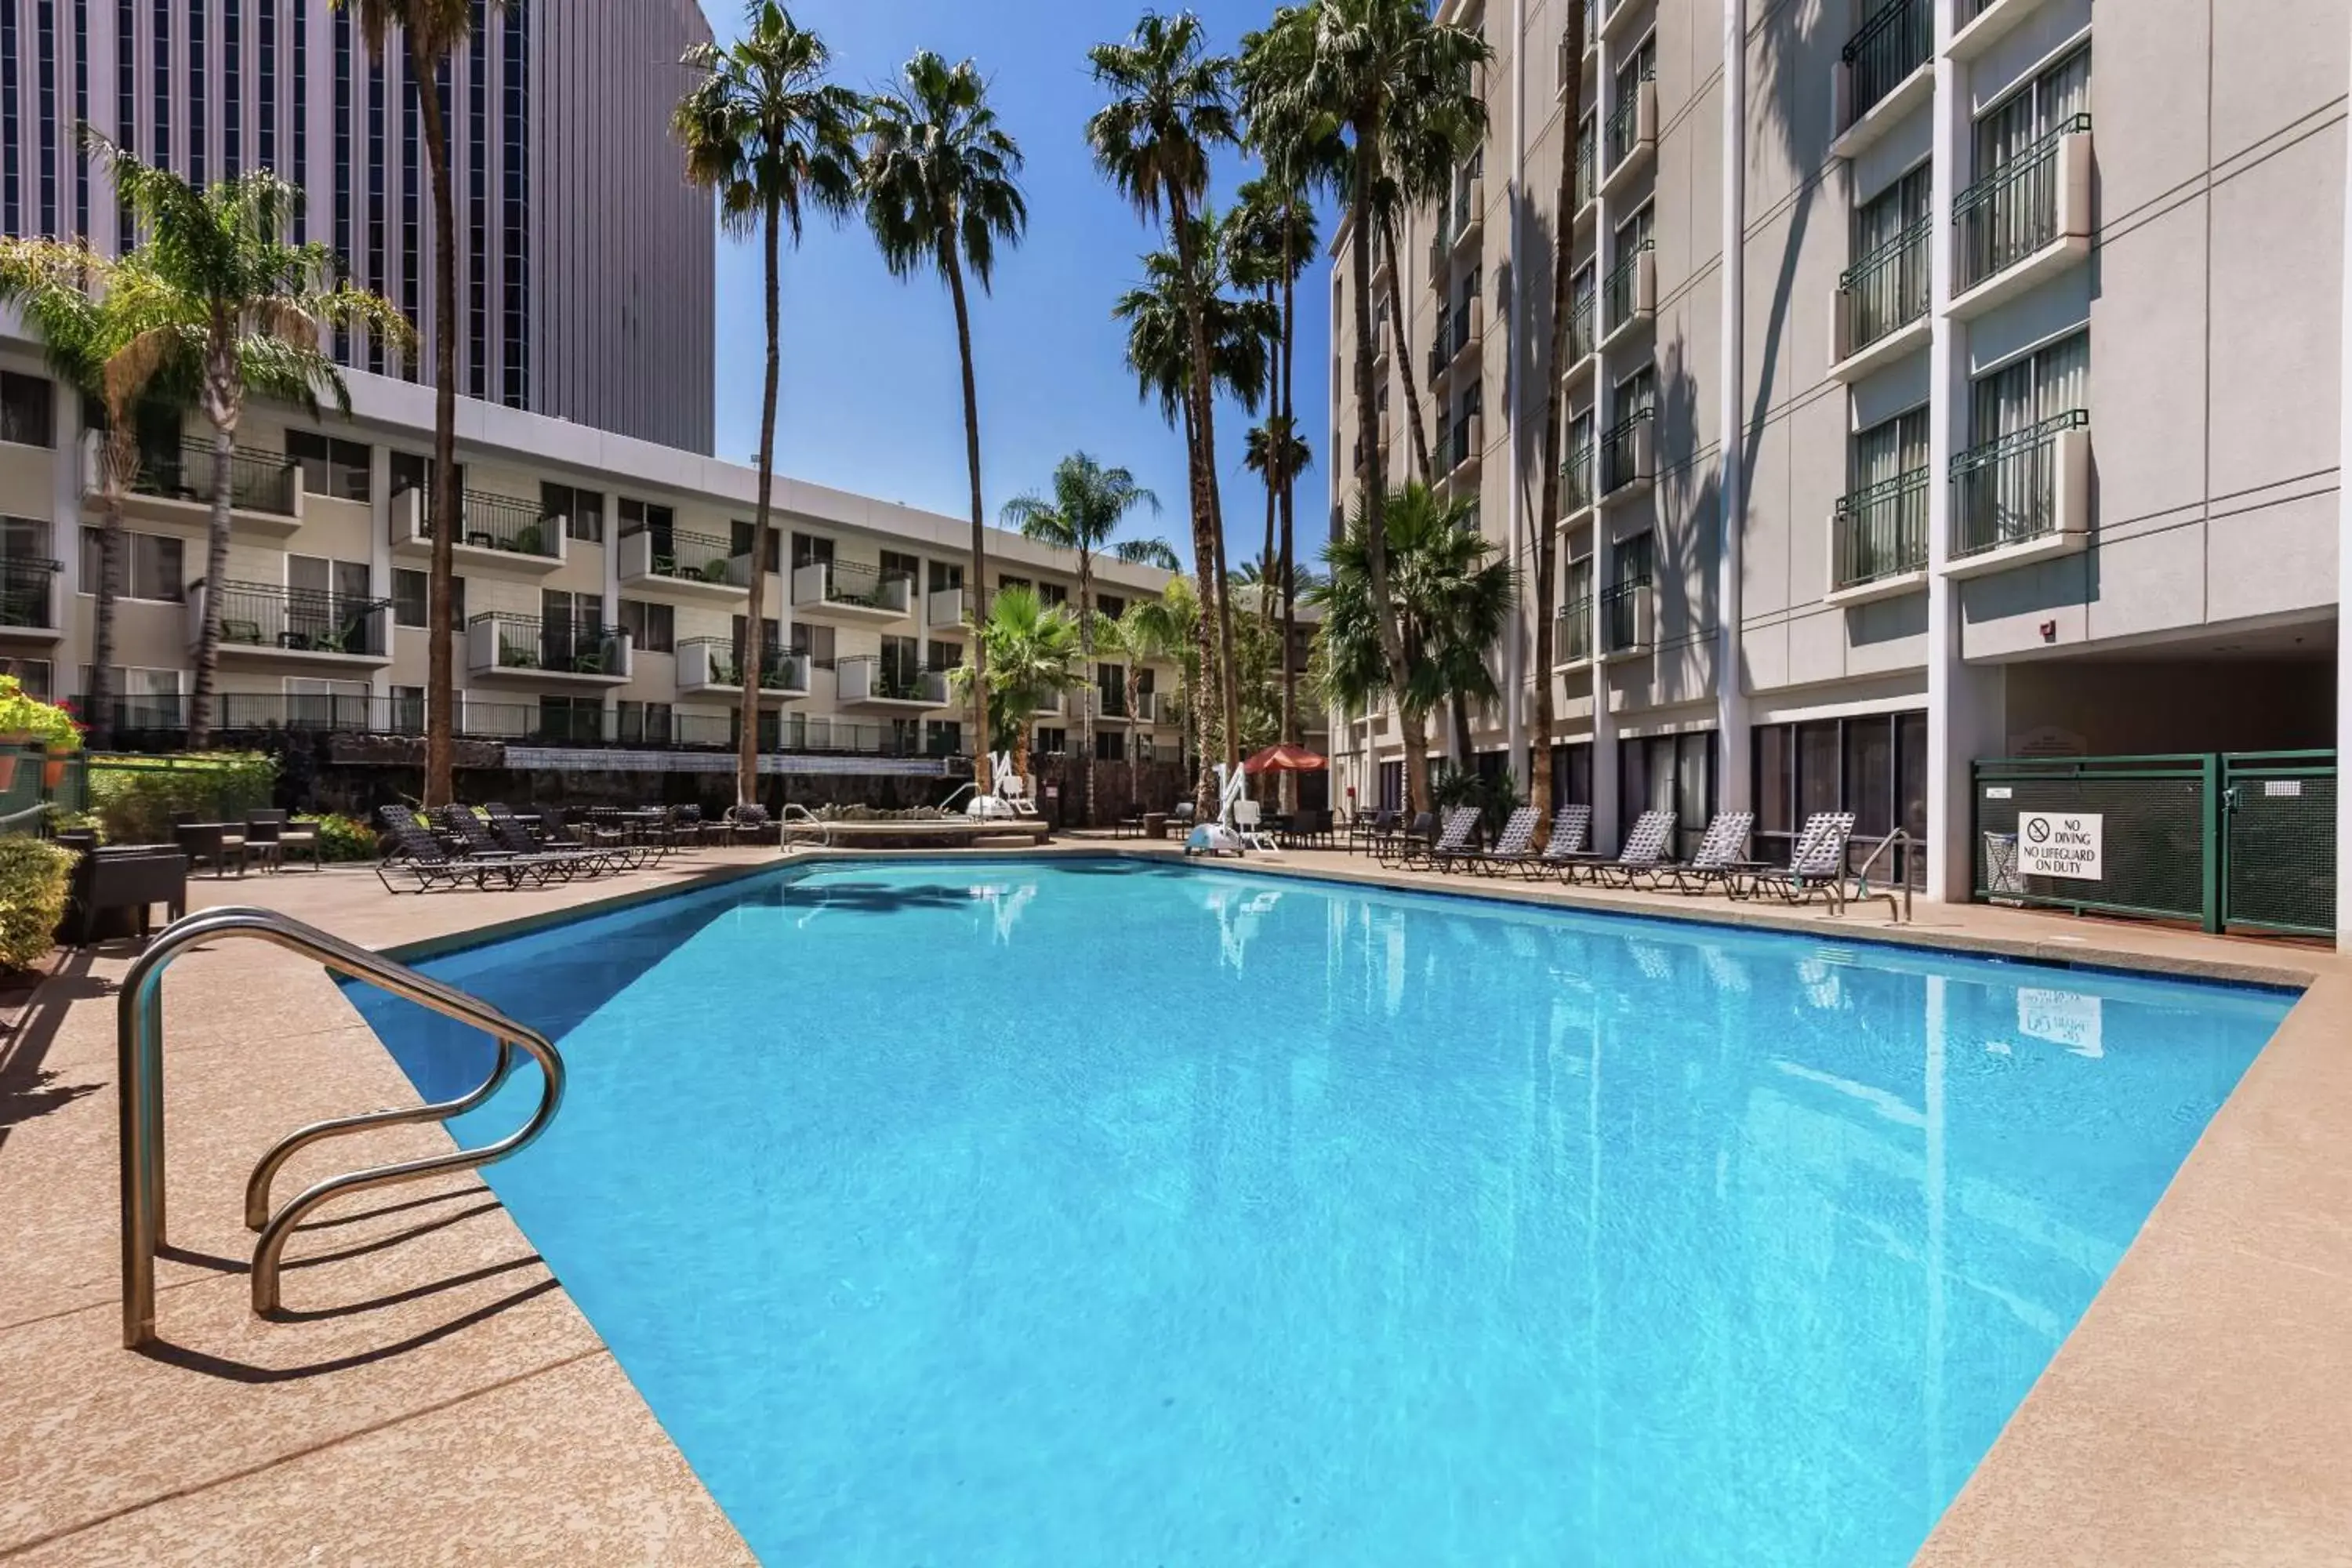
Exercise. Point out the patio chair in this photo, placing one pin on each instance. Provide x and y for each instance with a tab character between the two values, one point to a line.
1817	864
1180	820
426	862
478	841
294	837
1565	847
265	845
1722	855
120	881
1247	821
1643	851
1515	846
1451	843
1399	845
1128	824
212	844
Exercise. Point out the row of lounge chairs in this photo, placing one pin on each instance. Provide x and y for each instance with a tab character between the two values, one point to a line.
1816	866
499	850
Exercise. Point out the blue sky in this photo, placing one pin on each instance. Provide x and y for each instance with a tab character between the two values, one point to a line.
870	397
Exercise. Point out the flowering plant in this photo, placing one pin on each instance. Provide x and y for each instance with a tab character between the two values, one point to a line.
25	719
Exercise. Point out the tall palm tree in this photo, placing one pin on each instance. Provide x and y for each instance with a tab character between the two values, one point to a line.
88	311
941	178
1171	107
1165	627
237	310
1563	285
1034	650
764	131
435	31
1089	502
1273	452
1354	68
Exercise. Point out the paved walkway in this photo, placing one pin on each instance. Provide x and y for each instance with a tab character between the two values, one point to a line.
435	1397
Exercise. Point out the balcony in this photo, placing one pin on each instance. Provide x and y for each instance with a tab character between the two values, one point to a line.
1978	25
505	646
29	599
842	593
867	681
1460	450
1381	269
696	565
1878	541
944	610
261	623
1628	621
1616	14
1469	215
1571	635
2024	498
1147	708
1630	295
1629	456
711	666
1630	137
1581	340
1880	310
1469	334
1576	488
2027	221
1111	706
1584	189
1882	73
493	530
176	485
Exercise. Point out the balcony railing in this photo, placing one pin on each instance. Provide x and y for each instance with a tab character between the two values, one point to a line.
1111	701
1622	131
560	648
27	591
869	678
1619	291
1147	708
1583	171
258	481
1576	479
2012	212
1571	635
852	584
302	620
1880	531
692	557
2006	491
1895	42
1467	196
499	522
720	662
1887	289
1624	623
1623	448
1580	326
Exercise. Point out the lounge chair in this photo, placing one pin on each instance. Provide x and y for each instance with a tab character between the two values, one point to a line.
752	825
1367	829
1400	845
1817	864
478	841
1570	826
1643	851
426	862
1453	841
1515	846
1722	855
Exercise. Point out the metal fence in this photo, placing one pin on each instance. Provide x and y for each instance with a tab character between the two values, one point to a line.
30	780
1895	42
2226	839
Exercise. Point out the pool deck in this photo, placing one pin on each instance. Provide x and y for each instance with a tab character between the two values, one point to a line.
435	1396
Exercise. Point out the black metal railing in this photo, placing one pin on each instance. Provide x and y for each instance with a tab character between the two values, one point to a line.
1583	171
1879	531
1580	327
1620	293
1571	635
1889	46
2012	212
1623	133
302	620
857	584
694	557
1576	478
1461	444
258	481
562	648
1622	451
1887	289
780	669
498	522
2006	491
27	591
891	681
1620	616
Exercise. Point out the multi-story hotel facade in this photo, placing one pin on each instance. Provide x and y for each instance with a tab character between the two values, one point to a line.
603	598
1997	409
586	262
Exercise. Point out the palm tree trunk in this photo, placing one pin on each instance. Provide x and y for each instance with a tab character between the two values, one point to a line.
121	460
978	546
747	744
1563	262
1462	753
1376	544
1088	696
1421	462
200	705
1289	501
1207	548
440	673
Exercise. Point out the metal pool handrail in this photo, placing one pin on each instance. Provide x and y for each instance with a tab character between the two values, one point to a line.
139	1038
1862	879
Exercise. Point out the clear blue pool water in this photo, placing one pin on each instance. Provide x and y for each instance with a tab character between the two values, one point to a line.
1113	1213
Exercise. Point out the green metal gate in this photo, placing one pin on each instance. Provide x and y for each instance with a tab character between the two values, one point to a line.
2279	855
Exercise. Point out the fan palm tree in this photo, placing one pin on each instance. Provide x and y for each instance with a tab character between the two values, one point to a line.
1088	504
1358	69
88	311
1547	532
237	310
764	131
1275	453
435	31
1171	107
1164	629
1034	650
940	179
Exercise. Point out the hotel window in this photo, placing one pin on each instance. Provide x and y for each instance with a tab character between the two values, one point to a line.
1669	773
1110	605
2055	95
199	101
45	28
264	98
300	166
233	88
126	101
811	549
1874	766
901	661
330	466
144	699
1634	395
1005	580
322	584
945	575
515	234
1571	774
1110	745
407	715
940	655
12	127
343	122
411	602
643	722
815	642
583	511
477	207
376	196
414	471
2047	383
652	627
1050	742
572	719
943	737
33	673
1053	594
324	704
27	410
1890	449
160	43
151	567
411	113
897	564
772	632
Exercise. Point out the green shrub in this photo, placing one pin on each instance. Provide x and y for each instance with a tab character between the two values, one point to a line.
345	839
134	797
33	874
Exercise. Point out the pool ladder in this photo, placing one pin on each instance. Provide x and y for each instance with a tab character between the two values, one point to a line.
139	1039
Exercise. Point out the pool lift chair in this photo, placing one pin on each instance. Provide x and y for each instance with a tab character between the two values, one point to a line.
1007	794
1227	835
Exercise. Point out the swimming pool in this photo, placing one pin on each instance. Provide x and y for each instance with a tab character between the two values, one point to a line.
1113	1212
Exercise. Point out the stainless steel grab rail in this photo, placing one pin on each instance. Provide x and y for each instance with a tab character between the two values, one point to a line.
1862	879
138	1040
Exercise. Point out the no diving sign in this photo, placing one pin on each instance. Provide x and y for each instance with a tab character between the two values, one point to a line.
2060	844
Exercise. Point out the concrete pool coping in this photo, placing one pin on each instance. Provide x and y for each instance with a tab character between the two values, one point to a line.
2200	1413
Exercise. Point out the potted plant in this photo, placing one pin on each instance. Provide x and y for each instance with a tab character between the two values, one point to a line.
528	539
27	721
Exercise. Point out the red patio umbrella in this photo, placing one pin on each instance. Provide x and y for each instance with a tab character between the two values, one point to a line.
1285	759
